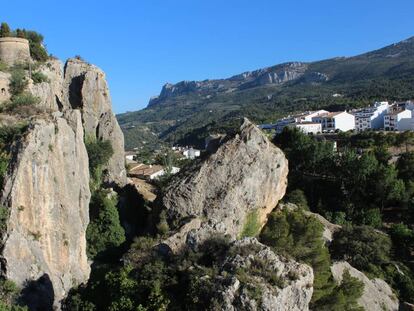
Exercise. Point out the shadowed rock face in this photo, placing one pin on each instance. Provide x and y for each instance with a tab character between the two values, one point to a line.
47	194
247	174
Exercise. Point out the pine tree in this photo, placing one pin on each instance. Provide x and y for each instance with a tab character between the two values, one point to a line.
4	30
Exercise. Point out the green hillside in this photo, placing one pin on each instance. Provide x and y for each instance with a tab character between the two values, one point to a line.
188	111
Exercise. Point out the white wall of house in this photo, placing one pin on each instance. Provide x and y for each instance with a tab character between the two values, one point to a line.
398	121
308	128
344	121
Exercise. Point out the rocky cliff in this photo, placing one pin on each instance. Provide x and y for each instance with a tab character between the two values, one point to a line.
85	88
46	189
244	179
47	194
267	76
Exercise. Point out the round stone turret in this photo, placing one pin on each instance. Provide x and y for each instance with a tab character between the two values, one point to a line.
14	50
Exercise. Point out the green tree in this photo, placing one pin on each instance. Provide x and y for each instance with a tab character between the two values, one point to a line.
104	230
5	30
20	33
362	246
295	234
298	197
405	166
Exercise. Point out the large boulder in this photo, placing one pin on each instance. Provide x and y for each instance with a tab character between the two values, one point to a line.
377	294
85	88
245	178
46	193
280	284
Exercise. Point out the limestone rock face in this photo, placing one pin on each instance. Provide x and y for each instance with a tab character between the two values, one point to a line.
377	294
47	195
51	92
293	293
85	88
247	174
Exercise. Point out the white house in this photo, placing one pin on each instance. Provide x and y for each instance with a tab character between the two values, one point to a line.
296	119
150	172
191	153
307	127
371	117
336	121
398	120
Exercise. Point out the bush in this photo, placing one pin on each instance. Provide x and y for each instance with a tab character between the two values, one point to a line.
18	81
39	77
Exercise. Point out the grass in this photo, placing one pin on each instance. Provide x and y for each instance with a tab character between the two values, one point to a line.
252	225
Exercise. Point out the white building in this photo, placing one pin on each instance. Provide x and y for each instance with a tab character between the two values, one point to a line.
307	127
299	118
150	172
371	117
336	121
191	153
398	120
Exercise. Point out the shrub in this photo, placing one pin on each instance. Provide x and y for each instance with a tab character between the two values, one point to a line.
18	81
39	77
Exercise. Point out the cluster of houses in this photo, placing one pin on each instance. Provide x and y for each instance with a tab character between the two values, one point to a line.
380	116
154	171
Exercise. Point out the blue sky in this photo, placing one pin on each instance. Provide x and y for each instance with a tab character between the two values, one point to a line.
142	44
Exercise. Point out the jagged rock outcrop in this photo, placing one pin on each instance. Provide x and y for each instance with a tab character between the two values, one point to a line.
85	88
377	294
50	93
47	195
278	74
246	175
281	285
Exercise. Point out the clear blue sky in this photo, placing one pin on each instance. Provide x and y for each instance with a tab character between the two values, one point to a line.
142	44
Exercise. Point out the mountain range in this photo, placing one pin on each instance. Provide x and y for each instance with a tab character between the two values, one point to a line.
186	112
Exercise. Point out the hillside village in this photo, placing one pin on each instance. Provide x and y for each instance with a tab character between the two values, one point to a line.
397	116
